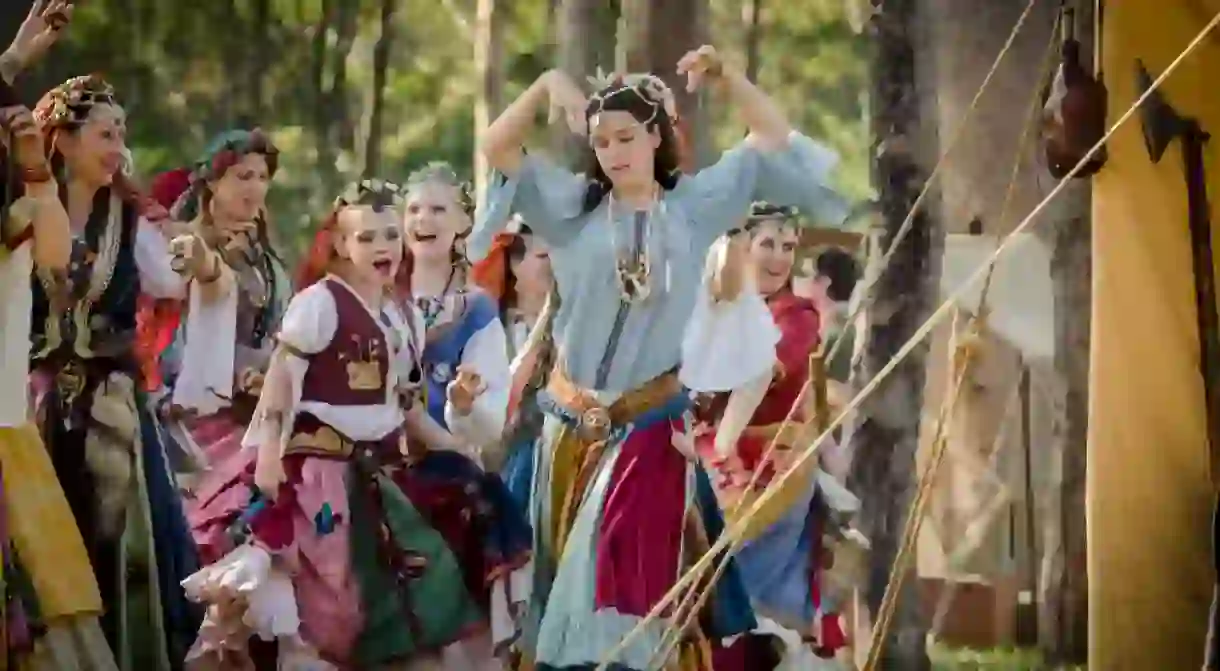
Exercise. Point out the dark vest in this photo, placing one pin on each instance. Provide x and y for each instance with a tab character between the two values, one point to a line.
354	368
112	319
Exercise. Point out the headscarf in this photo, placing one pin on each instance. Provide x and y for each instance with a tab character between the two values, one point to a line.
175	195
491	274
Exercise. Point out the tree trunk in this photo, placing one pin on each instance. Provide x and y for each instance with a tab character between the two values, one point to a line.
887	438
751	16
488	59
323	146
342	125
381	66
1064	601
260	61
586	41
660	34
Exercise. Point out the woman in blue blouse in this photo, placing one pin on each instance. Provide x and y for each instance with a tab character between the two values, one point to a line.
618	512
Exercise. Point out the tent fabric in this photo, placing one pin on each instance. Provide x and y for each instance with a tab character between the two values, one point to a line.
1149	497
1021	299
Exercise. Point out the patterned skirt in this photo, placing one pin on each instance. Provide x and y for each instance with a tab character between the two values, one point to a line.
386	561
53	603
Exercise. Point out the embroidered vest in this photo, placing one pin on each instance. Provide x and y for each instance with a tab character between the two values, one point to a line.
98	295
354	368
446	343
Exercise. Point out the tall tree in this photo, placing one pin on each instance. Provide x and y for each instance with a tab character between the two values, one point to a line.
887	437
489	64
659	34
381	64
751	17
586	42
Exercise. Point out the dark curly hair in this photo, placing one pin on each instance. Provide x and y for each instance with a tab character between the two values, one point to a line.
635	98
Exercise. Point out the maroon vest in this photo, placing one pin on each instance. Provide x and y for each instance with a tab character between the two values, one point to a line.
355	366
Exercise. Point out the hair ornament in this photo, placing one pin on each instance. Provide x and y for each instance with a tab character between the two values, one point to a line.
376	193
71	101
650	87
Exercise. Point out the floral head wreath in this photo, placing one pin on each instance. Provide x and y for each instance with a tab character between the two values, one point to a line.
648	87
70	103
222	153
439	171
376	193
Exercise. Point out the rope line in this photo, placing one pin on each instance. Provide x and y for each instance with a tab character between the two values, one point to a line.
733	534
864	303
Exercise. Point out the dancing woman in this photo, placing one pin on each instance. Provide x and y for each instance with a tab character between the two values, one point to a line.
51	602
466	386
618	511
91	411
217	354
787	541
517	273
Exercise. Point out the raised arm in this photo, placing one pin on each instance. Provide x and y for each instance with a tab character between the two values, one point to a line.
547	195
503	142
774	163
768	125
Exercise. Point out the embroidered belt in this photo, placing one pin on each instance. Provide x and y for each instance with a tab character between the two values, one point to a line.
658	399
312	437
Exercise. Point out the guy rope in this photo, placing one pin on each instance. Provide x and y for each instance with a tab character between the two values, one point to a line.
733	535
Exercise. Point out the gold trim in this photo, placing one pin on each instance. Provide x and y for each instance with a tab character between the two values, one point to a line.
325	442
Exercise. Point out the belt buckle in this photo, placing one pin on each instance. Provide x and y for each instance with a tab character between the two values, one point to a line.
594	424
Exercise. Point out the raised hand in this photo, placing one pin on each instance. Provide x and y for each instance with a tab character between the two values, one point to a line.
700	65
40	30
566	100
21	132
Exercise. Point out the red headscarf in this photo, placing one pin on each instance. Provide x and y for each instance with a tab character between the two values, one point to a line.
320	258
157	319
491	274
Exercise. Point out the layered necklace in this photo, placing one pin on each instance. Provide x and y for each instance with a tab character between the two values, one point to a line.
433	306
633	260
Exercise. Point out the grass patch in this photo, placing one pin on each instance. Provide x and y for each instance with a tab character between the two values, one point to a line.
998	659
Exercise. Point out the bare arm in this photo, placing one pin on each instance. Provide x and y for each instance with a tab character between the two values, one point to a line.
504	139
769	128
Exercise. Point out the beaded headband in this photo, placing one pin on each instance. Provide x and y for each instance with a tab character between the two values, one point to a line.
376	193
71	101
649	88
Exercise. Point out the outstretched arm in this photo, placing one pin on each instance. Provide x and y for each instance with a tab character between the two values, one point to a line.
769	128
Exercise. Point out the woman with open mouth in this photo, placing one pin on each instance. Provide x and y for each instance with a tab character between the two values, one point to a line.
335	556
619	512
93	413
466	385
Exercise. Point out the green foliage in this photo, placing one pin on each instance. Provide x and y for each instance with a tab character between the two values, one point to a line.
188	70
